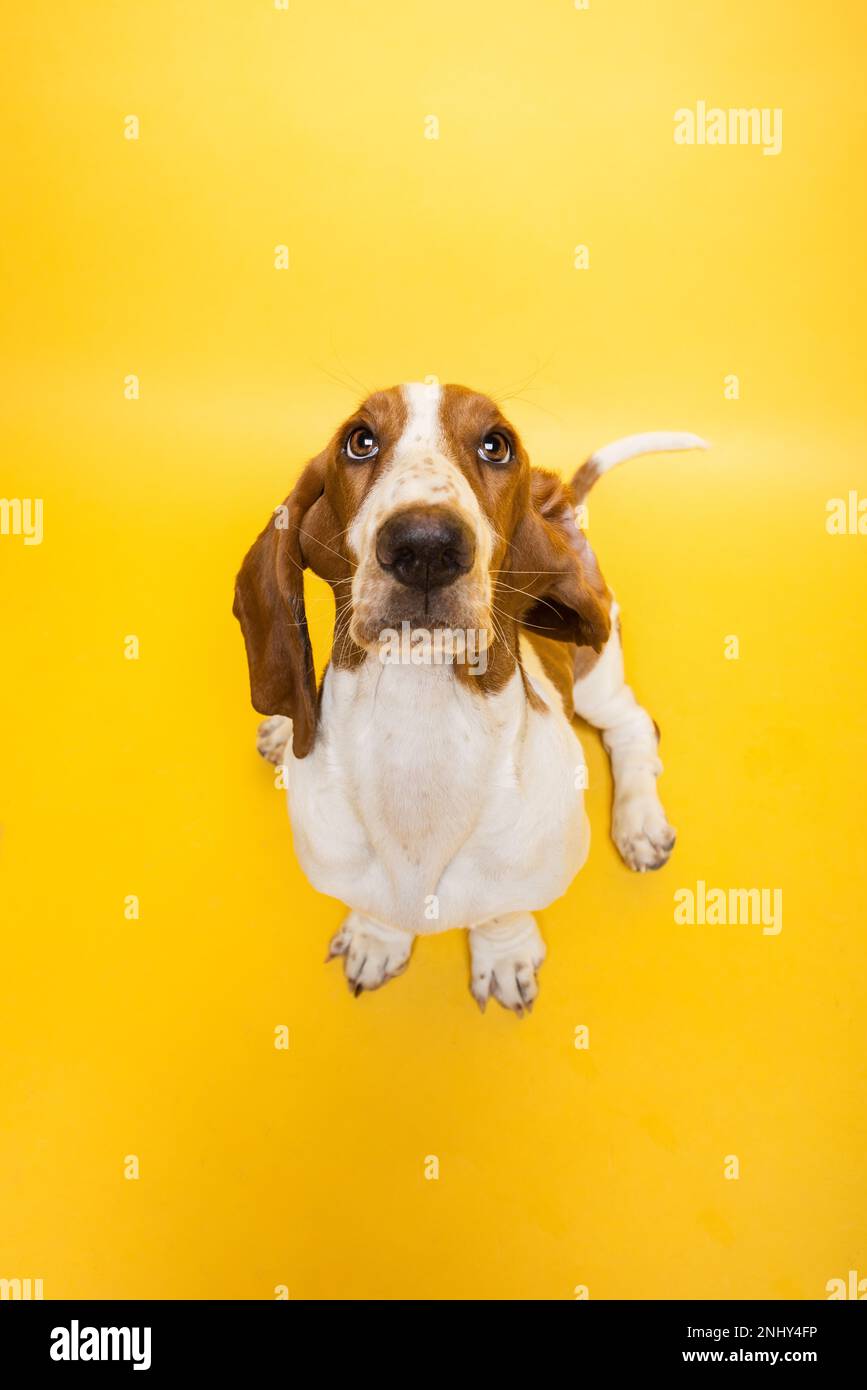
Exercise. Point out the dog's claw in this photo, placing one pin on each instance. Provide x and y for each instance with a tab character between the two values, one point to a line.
370	959
641	832
505	968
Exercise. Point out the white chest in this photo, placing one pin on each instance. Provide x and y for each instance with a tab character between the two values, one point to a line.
428	806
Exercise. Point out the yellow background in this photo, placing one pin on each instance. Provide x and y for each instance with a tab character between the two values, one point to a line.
411	257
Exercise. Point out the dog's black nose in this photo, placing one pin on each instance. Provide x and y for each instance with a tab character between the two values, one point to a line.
425	547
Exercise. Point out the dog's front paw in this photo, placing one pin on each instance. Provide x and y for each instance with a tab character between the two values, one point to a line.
272	737
641	833
506	953
372	954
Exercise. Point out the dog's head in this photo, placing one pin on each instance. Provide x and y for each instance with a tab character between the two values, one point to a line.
422	513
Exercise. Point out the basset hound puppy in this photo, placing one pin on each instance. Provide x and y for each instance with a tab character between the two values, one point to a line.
435	778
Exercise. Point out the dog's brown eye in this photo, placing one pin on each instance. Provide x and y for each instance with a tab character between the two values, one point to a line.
362	443
495	448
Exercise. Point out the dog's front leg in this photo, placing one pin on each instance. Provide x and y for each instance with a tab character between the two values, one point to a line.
505	953
372	953
639	826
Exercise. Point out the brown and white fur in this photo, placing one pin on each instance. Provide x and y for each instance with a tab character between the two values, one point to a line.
435	795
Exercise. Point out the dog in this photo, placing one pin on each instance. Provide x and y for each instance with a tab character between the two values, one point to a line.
428	791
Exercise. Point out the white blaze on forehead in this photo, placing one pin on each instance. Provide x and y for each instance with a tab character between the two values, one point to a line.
423	424
418	473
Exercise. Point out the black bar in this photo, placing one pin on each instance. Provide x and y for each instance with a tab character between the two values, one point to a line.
213	1339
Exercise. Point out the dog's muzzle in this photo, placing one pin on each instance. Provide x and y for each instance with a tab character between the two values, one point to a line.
425	547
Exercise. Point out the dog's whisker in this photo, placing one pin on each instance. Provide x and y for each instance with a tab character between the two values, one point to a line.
535	597
512	571
326	546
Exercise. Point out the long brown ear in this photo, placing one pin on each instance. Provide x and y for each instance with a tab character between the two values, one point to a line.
569	597
269	605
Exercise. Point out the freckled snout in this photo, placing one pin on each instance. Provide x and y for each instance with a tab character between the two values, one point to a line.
425	547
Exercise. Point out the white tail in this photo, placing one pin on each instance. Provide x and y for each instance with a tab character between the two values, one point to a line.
654	442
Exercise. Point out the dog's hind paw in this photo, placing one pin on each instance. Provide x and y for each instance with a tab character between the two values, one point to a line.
506	952
372	953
